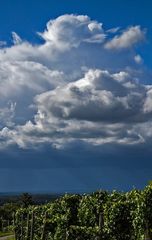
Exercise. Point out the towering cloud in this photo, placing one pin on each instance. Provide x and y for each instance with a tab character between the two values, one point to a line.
69	31
73	87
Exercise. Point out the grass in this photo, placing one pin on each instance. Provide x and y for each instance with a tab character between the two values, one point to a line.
3	234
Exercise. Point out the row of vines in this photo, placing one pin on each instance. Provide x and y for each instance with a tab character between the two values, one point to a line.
98	216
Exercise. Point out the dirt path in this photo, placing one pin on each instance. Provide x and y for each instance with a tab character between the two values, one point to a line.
6	237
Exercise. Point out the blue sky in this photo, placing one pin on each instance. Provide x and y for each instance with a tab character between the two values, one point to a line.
28	17
75	95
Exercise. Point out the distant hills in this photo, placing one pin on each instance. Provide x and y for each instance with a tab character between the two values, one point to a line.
38	198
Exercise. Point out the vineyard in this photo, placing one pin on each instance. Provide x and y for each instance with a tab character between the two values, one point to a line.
97	216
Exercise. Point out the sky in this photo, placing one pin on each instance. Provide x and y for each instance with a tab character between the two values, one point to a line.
75	95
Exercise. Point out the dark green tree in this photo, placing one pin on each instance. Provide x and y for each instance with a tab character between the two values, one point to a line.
26	200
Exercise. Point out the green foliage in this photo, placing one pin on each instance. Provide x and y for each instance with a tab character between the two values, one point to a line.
83	233
98	216
6	216
147	209
135	198
90	207
118	221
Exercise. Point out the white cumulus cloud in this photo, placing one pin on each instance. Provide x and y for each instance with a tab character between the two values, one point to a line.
127	39
69	31
73	87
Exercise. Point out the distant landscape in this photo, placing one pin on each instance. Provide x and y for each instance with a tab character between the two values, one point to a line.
40	198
